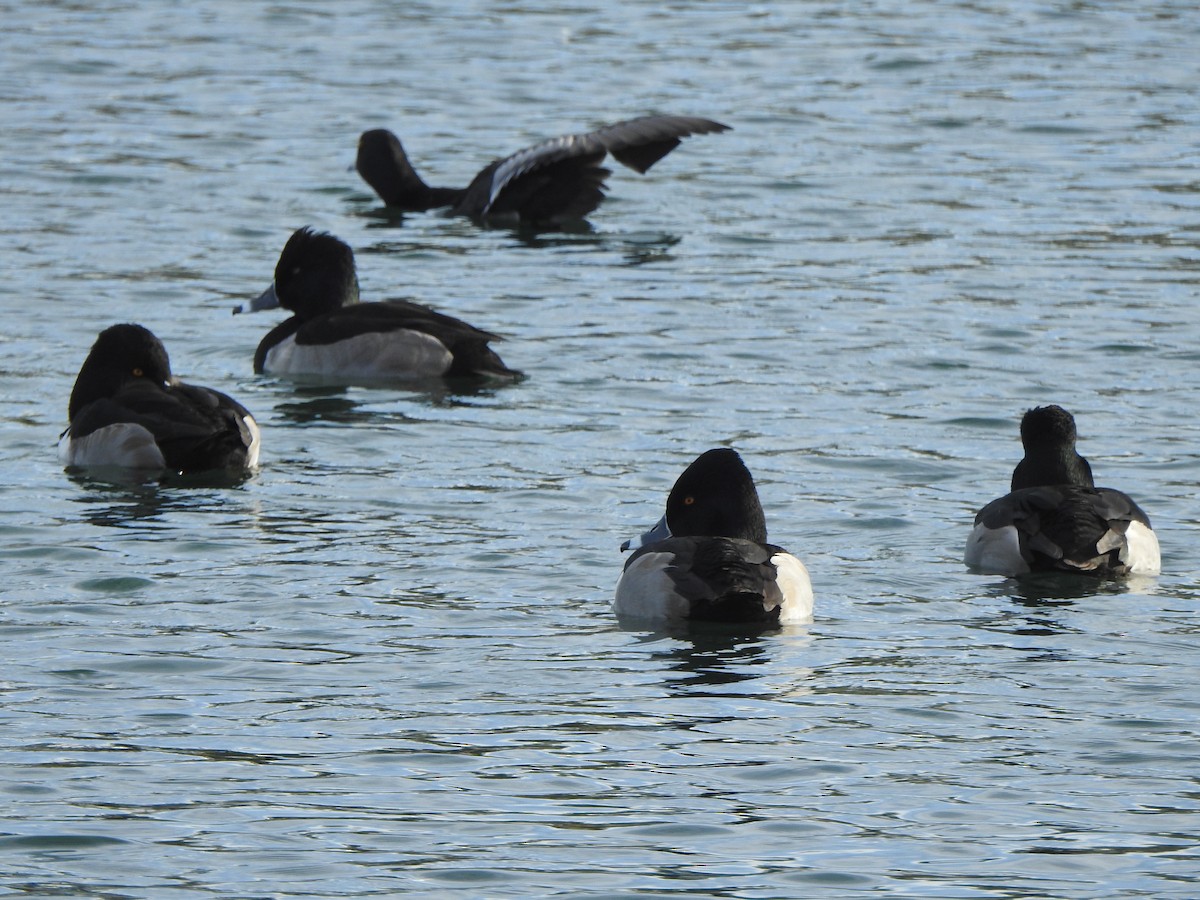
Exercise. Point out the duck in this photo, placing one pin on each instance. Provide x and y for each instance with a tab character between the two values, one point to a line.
128	411
331	334
708	559
553	182
1055	519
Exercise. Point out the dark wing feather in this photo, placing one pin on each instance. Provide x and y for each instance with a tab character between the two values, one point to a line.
725	579
553	190
562	178
640	143
467	344
1067	527
228	438
384	316
196	428
555	180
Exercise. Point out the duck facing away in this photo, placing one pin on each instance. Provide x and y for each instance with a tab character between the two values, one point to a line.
708	560
127	410
332	334
555	181
1055	519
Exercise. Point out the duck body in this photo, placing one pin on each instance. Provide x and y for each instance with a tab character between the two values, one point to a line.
1063	528
714	579
128	411
1055	519
332	335
552	182
707	560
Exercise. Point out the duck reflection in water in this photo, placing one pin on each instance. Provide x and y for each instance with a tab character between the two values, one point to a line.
636	249
1050	589
1043	601
322	402
701	659
111	504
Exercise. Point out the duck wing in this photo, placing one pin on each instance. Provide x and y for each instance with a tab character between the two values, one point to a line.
196	428
211	430
1068	527
722	579
468	345
384	316
562	178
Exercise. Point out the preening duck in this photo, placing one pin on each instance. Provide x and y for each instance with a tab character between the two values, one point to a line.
555	181
708	560
127	410
332	335
1055	518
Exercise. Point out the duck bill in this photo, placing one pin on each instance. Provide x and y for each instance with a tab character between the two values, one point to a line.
660	532
268	299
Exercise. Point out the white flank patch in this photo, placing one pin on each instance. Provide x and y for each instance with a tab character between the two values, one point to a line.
124	444
995	551
647	591
1142	556
389	354
255	441
796	586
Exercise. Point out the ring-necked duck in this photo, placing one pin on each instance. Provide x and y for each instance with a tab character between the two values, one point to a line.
128	410
331	334
708	558
1055	519
555	181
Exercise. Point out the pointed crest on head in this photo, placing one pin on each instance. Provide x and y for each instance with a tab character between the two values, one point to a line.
315	273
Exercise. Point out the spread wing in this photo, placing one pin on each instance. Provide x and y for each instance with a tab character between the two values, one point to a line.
563	178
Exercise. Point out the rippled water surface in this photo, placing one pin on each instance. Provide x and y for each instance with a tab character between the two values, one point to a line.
386	663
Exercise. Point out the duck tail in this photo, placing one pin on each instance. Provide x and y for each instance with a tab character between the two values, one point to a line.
475	358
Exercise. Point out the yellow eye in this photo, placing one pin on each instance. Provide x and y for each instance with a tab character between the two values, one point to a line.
137	373
688	501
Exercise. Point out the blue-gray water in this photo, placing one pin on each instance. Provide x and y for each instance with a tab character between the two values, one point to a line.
386	664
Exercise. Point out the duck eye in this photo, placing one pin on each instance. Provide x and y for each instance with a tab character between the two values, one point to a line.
688	501
137	373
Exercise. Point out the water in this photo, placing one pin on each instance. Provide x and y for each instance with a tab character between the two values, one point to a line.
386	664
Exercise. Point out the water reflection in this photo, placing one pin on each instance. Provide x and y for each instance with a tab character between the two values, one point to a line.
340	410
112	504
1036	622
636	248
1049	589
314	400
383	217
708	656
1041	603
710	661
125	478
321	403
